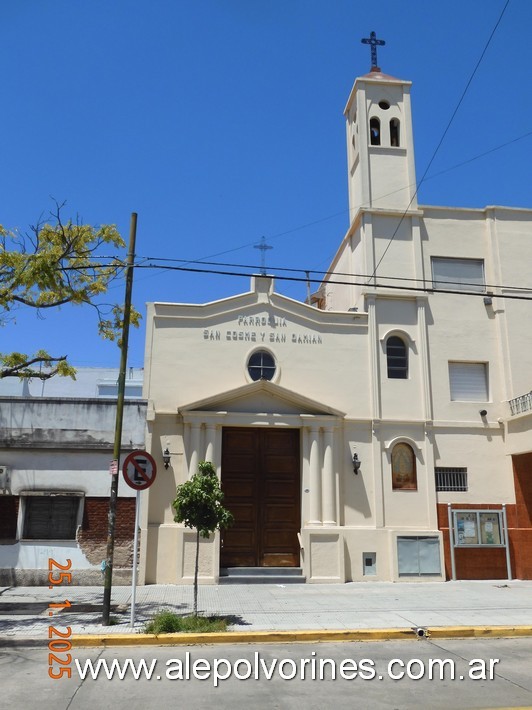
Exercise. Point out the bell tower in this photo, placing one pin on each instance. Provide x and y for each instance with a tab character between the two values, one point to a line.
380	146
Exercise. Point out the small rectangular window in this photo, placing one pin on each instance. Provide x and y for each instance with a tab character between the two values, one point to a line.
458	274
50	517
451	479
468	381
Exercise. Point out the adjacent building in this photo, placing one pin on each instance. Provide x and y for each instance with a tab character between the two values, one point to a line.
56	446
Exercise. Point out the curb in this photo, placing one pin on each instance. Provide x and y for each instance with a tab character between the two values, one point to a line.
323	636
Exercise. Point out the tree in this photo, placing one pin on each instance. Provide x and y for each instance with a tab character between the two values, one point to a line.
57	263
198	504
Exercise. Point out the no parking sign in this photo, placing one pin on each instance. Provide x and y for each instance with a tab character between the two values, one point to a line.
139	470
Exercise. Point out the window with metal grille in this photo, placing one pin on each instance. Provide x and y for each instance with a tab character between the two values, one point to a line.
451	479
50	517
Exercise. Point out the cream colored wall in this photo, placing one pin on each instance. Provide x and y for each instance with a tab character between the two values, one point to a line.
481	450
338	296
407	509
331	367
392	257
511	235
461	326
401	399
519	434
390	190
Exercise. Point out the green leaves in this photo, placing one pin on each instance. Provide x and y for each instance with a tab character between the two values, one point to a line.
198	502
41	366
55	264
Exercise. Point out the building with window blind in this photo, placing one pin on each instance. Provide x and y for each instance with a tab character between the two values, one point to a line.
381	431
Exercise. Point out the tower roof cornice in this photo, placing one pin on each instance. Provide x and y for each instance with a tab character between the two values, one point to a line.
374	77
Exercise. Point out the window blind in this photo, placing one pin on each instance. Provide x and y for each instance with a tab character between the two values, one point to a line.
458	274
468	381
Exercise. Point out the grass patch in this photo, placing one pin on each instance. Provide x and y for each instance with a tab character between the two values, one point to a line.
168	622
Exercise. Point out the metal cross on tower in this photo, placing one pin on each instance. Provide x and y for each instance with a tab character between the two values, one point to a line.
374	42
263	248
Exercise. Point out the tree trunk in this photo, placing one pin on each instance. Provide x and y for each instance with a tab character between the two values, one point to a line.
196	575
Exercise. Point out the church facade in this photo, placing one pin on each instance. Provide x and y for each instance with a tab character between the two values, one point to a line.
382	431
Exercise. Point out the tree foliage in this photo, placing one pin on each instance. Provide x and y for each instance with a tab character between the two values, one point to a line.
56	263
198	505
198	502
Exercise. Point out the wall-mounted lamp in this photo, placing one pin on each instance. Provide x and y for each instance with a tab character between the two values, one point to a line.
166	457
483	412
488	299
356	463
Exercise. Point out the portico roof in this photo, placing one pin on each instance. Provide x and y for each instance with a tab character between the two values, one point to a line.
261	396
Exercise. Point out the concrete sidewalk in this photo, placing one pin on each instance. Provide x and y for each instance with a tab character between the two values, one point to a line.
25	615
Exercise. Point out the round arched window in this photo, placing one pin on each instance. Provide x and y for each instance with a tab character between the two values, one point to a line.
261	365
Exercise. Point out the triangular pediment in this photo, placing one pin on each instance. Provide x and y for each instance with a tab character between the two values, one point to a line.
261	397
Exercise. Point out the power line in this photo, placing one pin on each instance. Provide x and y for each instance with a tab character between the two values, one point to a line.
424	289
300	270
256	269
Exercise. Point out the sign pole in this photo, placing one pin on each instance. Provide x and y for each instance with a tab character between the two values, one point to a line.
139	470
135	555
451	541
507	542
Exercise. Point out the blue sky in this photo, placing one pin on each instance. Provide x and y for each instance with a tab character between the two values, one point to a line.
221	121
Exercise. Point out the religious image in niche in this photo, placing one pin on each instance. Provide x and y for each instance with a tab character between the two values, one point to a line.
403	468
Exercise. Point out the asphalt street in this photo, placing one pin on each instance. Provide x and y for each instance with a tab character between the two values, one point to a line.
376	675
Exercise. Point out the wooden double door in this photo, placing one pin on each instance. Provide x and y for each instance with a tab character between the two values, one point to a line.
261	485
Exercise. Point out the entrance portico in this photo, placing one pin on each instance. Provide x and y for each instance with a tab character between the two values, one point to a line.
274	452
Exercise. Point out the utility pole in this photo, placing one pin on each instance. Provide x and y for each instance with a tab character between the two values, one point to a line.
113	495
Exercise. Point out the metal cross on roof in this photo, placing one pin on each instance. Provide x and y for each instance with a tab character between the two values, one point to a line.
374	42
264	248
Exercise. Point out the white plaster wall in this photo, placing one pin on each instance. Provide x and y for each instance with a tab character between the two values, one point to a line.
84	471
65	444
31	556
